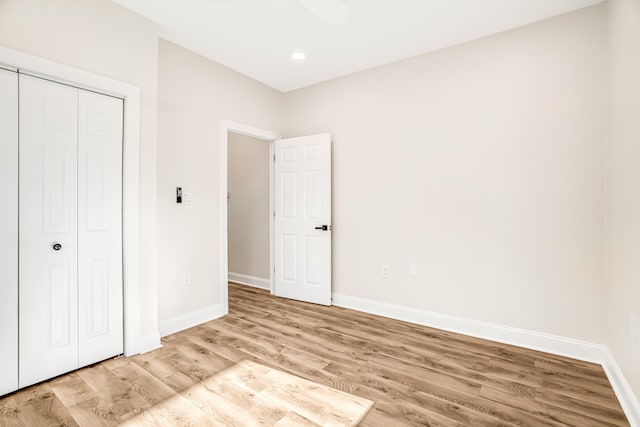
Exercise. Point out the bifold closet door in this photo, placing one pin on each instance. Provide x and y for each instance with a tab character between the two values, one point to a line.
99	227
48	230
9	231
70	229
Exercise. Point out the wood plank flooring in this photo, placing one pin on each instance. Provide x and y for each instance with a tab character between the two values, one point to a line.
415	375
263	396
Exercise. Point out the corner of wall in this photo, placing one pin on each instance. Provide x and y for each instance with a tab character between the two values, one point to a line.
622	389
189	320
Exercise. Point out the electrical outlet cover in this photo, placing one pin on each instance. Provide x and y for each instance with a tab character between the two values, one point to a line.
413	269
386	271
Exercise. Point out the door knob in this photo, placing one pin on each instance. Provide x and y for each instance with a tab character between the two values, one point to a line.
323	227
56	246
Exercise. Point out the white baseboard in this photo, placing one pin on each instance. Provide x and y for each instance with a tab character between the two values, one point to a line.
149	342
621	387
562	346
189	320
256	282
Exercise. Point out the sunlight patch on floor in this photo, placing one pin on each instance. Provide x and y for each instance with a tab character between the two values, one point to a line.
249	393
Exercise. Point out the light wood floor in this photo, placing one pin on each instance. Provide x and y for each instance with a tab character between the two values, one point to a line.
415	375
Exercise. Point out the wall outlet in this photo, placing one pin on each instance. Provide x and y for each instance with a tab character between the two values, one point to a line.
186	278
413	269
386	271
633	328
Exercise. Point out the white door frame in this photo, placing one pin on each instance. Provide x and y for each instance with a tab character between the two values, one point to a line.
227	126
60	73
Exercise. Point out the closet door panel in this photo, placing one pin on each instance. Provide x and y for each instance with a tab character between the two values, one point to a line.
99	227
48	230
9	231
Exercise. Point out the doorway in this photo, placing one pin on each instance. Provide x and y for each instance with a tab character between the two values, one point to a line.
300	227
248	200
229	128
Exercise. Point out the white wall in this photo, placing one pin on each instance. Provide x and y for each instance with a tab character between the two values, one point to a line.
481	163
194	94
248	206
104	38
623	185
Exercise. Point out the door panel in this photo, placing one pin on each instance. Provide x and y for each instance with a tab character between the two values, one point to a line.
57	209
99	227
303	202
9	231
313	195
48	216
289	191
289	258
58	309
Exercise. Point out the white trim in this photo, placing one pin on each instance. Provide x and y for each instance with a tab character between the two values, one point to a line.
621	387
149	343
8	68
131	139
562	346
272	208
189	320
554	344
244	279
43	68
227	126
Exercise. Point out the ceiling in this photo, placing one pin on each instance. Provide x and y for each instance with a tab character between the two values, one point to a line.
257	37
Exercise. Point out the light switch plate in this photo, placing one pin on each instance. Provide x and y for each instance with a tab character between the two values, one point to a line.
189	198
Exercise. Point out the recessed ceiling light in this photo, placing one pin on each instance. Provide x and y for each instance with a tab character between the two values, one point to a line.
298	56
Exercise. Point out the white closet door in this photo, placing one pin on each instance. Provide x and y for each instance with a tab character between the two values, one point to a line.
9	231
99	227
48	218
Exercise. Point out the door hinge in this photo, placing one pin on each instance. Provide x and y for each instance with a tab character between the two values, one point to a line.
274	214
274	157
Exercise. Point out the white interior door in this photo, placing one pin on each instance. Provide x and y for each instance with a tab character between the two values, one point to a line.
70	232
48	218
99	227
302	226
9	231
